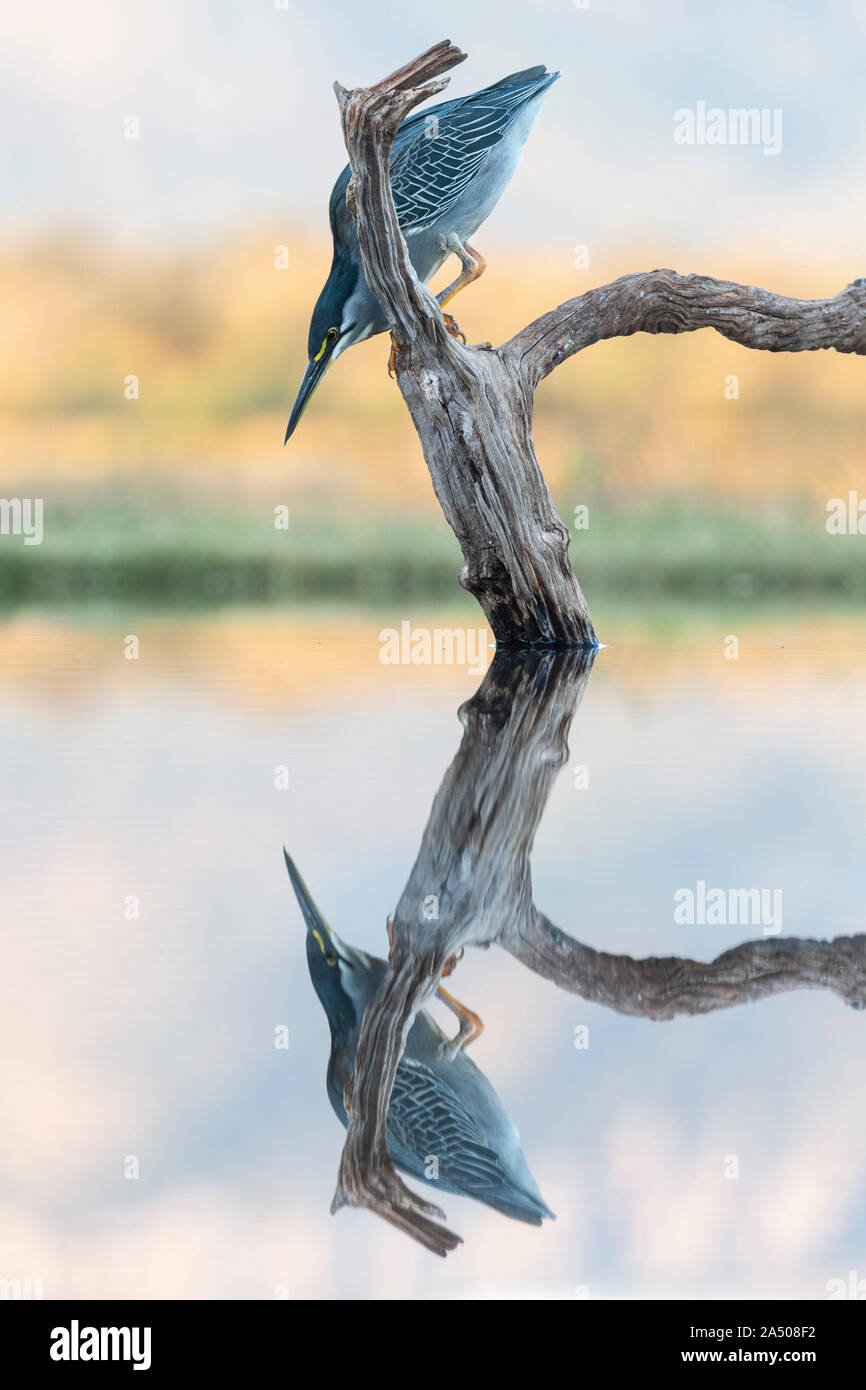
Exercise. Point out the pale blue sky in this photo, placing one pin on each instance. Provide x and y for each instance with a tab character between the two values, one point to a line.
239	126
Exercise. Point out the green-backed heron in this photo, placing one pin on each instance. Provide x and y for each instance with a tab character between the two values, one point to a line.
446	1124
450	165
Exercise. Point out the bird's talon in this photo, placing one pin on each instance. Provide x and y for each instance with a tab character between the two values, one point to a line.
451	964
453	327
392	358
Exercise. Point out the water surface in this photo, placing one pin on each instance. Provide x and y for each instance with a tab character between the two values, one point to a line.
151	1037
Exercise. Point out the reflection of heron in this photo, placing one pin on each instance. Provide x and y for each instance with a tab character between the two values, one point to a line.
449	167
445	1121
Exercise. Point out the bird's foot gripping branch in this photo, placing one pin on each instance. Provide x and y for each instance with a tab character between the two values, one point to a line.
472	405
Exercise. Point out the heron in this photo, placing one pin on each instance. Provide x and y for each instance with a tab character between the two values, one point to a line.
446	1124
450	165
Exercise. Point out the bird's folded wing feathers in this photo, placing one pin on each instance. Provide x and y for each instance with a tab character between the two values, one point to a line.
428	1120
438	153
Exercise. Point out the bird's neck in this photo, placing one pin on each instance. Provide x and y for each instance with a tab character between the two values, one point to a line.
340	1066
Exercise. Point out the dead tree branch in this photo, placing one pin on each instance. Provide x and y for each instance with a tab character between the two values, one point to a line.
371	117
472	413
661	301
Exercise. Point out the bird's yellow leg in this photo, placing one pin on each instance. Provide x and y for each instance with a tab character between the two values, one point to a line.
471	1026
473	265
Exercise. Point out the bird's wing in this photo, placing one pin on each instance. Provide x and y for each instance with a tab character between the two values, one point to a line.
429	1121
437	153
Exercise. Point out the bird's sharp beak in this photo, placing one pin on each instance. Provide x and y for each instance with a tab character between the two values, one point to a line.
315	922
312	376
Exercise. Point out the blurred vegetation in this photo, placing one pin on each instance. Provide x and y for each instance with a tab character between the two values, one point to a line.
117	551
172	495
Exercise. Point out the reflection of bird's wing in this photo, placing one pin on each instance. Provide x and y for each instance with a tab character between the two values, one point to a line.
437	153
429	1121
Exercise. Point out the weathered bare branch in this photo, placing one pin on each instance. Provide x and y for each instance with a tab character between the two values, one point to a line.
661	301
371	117
472	414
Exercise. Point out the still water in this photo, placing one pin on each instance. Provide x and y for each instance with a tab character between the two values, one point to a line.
158	1140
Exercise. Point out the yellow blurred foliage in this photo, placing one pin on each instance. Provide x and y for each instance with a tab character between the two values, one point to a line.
217	340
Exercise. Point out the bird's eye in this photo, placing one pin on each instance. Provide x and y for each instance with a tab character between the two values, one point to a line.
332	335
330	958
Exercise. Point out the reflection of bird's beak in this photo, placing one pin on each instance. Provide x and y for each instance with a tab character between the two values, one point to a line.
312	916
312	376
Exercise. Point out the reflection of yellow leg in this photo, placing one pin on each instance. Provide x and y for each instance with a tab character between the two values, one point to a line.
389	927
471	1026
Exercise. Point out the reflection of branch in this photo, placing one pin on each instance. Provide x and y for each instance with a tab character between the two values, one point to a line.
660	987
474	855
471	873
367	1177
471	885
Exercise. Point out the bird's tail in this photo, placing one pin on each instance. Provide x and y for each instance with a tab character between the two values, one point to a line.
524	78
530	80
521	1207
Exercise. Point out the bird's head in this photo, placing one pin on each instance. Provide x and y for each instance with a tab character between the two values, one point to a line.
336	324
340	974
